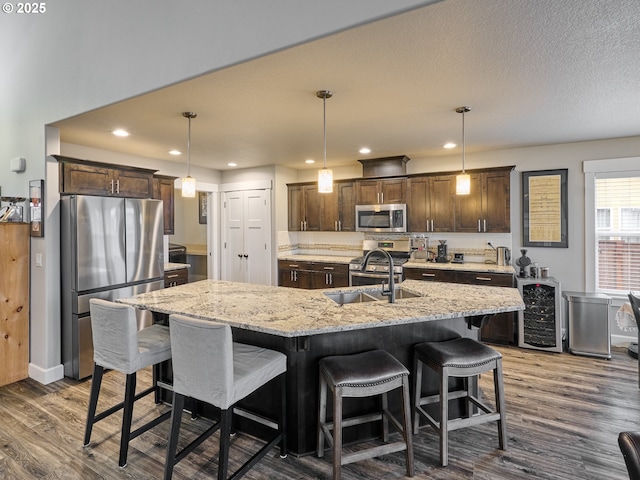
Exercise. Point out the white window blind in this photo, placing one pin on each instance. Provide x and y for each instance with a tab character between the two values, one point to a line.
618	243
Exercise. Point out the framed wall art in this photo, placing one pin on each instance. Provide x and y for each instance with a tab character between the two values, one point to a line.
36	207
544	208
202	207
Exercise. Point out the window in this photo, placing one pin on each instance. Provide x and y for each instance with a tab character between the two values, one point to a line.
603	218
617	232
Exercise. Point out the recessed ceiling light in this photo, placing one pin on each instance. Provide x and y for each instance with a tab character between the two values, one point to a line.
365	150
232	164
309	160
175	152
120	133
450	145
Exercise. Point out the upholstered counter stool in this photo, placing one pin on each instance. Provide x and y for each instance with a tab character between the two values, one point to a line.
363	375
210	367
119	345
629	443
462	358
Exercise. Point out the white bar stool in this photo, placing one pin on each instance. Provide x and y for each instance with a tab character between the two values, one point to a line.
118	345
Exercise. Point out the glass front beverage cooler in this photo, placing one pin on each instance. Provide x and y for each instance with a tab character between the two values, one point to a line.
540	323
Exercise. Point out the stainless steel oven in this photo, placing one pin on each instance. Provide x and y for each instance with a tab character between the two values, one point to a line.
377	271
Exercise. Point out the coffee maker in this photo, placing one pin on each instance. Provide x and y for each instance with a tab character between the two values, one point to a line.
442	252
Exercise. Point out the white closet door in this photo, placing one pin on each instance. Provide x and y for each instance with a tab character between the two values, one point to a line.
247	232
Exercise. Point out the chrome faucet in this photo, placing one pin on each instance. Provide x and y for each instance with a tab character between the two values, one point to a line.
391	292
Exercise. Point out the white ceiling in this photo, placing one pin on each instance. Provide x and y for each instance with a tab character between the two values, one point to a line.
533	71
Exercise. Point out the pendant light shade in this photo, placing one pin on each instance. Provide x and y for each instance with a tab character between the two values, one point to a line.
188	182
325	176
463	180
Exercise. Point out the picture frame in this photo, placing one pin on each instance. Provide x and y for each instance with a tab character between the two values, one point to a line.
545	208
36	208
202	207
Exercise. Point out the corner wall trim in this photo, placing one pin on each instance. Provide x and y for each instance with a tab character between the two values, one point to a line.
46	376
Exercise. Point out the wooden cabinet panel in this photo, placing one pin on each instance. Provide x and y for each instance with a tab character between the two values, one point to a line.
296	208
85	177
372	192
487	208
163	189
173	278
430	274
430	203
14	304
346	206
311	211
312	275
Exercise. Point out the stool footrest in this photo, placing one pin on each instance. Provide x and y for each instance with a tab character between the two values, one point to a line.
373	452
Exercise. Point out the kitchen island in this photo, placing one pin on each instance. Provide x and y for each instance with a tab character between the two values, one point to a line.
307	325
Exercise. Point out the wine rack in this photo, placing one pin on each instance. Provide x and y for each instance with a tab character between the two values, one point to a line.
540	323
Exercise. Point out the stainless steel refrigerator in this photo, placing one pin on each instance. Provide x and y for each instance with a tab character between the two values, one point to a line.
110	248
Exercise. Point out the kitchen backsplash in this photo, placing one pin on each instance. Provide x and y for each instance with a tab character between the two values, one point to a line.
349	244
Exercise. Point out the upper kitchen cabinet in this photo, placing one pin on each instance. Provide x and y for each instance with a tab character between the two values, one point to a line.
431	203
312	211
338	208
85	177
163	189
384	190
487	208
304	207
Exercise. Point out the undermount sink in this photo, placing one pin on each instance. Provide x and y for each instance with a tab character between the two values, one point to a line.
371	295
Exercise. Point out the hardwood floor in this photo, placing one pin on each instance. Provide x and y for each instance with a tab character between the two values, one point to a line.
564	414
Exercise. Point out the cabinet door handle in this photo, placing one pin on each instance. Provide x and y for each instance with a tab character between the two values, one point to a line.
111	187
331	279
339	225
484	279
291	265
382	195
429	275
479	225
239	255
485	224
172	276
432	226
118	186
245	255
328	268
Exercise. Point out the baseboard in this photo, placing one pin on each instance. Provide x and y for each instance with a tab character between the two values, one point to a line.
46	376
623	340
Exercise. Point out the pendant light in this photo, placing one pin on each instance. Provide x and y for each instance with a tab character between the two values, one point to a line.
325	176
188	182
463	181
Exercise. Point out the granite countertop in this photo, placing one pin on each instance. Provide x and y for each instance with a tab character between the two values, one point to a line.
293	312
316	258
168	267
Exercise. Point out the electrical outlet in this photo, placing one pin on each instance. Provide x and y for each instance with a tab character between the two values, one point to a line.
38	259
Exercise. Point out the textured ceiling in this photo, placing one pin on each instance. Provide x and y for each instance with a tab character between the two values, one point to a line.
533	72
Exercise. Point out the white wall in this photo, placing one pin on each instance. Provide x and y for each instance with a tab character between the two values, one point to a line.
78	56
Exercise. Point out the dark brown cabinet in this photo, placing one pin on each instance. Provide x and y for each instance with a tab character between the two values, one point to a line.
487	208
85	177
311	275
373	192
163	189
312	211
173	278
500	328
431	203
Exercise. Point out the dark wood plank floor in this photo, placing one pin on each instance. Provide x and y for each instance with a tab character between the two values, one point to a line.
564	414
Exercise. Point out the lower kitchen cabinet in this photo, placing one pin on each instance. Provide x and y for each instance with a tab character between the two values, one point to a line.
501	327
173	278
312	275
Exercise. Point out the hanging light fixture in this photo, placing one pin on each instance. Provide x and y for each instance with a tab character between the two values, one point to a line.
463	181
325	176
188	182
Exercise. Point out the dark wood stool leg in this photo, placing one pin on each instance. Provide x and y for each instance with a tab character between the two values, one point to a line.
444	418
282	425
337	433
385	420
406	423
96	381
322	415
417	392
127	414
174	433
500	404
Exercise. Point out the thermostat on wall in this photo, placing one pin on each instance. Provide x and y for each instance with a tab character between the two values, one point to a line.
18	164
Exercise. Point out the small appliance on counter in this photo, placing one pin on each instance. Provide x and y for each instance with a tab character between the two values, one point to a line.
458	258
442	252
523	262
420	247
503	256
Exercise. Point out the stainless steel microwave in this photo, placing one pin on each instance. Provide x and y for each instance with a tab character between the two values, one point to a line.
391	217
